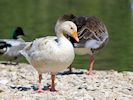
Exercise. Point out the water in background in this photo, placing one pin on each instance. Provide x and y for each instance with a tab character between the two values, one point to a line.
38	17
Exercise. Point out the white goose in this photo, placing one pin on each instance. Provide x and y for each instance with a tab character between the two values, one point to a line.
52	54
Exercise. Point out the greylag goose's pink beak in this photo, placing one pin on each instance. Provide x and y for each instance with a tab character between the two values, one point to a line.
75	36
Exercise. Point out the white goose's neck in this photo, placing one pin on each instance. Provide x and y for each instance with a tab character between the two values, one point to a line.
62	40
64	44
59	34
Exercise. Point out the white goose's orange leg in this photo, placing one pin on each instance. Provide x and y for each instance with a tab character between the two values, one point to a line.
40	85
52	89
91	65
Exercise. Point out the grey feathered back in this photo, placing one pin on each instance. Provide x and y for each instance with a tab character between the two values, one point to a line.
91	30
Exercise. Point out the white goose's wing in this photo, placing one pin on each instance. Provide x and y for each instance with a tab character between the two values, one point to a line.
35	50
44	43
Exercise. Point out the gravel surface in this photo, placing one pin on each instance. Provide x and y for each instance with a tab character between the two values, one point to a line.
18	82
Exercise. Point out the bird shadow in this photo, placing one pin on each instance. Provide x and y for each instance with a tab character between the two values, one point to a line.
44	88
9	63
24	88
21	88
70	73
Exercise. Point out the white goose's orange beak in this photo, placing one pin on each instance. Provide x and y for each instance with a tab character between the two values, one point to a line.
75	36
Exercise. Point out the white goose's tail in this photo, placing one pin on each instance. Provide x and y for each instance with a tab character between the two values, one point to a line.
25	51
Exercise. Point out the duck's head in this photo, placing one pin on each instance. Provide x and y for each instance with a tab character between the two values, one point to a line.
17	33
69	28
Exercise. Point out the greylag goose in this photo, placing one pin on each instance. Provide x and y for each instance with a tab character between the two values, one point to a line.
92	34
52	53
9	48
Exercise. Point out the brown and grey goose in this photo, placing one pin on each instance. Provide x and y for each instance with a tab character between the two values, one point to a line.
92	34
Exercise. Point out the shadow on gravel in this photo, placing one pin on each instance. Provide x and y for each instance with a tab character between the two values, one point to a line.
23	88
69	73
20	88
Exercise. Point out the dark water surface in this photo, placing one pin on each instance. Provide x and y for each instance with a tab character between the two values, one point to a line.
38	17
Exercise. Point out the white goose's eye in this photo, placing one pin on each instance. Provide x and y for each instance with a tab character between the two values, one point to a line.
72	28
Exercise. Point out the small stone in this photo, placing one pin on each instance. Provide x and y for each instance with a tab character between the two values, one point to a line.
18	83
4	82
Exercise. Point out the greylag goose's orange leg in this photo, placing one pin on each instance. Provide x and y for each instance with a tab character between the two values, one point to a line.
70	69
52	89
91	65
40	85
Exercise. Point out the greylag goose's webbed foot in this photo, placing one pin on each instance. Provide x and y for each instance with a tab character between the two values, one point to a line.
69	72
72	72
70	69
90	73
